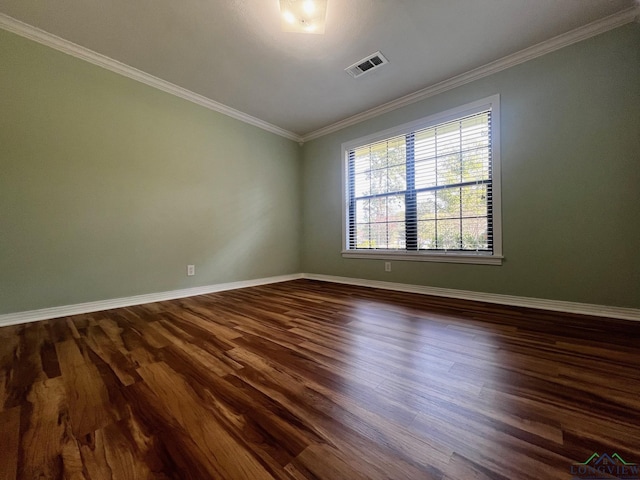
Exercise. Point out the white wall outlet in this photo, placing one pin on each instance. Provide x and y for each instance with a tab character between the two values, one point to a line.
191	270
387	266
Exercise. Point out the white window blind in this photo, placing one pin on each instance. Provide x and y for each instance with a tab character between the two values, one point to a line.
426	190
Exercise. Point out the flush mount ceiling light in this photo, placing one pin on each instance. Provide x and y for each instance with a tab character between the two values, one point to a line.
303	16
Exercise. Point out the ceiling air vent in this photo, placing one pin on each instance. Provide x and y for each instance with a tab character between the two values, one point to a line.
366	65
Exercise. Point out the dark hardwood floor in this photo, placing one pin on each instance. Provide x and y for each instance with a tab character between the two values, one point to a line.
310	380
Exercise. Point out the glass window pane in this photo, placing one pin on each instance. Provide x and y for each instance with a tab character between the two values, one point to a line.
363	235
426	205
475	165
361	185
450	218
474	201
378	235
362	211
449	234
397	236
397	178
425	174
361	163
427	235
378	209
396	148
448	203
379	181
447	138
395	208
475	131
378	155
474	234
361	151
425	145
449	169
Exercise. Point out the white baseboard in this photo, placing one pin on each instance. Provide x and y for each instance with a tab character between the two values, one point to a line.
540	303
79	308
553	305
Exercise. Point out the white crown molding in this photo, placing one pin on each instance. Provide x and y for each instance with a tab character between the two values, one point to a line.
45	38
582	33
574	36
528	302
80	308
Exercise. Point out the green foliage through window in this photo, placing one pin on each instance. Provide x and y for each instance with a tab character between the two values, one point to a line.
427	190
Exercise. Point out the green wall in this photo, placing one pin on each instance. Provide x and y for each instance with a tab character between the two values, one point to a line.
570	180
109	188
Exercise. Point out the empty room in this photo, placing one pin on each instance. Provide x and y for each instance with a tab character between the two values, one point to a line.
320	239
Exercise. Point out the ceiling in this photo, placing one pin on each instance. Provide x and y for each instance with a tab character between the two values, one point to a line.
234	52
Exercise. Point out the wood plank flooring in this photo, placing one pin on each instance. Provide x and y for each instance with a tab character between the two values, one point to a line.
311	380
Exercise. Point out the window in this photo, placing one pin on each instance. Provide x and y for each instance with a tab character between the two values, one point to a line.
429	190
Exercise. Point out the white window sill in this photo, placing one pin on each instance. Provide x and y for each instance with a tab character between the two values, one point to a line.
480	259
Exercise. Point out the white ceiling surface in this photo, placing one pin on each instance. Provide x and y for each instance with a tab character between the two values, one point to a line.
234	52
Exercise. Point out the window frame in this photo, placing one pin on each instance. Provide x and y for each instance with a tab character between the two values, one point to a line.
487	258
